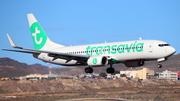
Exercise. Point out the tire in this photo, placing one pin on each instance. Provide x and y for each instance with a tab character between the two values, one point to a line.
159	66
88	70
110	70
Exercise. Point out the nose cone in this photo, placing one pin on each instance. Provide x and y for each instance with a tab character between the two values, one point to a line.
172	50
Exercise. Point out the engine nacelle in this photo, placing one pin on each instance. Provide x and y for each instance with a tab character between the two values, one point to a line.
97	61
134	64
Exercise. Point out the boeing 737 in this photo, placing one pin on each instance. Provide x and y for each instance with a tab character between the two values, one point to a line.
130	53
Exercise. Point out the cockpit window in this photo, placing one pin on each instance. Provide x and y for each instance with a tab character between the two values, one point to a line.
162	45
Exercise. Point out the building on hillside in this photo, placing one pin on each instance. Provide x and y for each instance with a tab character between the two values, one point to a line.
168	75
129	73
178	75
36	77
4	79
52	75
116	76
145	73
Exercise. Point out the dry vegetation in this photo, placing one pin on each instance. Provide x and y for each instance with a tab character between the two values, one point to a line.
154	90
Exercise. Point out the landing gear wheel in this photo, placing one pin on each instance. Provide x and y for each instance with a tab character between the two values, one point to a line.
110	70
159	65
88	70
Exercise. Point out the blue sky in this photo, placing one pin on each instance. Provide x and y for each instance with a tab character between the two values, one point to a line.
78	22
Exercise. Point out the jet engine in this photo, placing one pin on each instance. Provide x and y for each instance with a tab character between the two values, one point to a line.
97	61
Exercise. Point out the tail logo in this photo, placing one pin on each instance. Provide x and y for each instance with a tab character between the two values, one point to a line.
35	36
38	35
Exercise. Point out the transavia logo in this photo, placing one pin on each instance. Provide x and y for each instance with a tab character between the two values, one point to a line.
38	35
94	60
113	49
35	36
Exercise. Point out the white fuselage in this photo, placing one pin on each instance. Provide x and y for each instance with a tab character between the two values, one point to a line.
120	51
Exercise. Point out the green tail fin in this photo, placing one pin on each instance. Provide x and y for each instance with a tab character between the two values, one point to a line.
40	39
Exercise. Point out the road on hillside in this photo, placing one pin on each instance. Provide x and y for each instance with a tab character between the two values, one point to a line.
96	99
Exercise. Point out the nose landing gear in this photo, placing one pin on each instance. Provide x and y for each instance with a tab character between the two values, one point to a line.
159	65
160	60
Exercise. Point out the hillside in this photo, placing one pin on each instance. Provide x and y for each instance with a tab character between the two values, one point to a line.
11	68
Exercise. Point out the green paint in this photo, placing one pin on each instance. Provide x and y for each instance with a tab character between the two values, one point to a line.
113	49
114	61
38	35
99	50
139	49
134	46
94	61
121	48
107	48
88	50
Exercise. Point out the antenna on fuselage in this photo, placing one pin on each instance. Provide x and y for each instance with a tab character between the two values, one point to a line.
140	38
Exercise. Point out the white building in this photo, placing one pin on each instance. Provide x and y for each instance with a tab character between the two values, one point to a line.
129	73
168	75
116	76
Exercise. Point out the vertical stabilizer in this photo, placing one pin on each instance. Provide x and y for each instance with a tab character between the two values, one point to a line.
40	39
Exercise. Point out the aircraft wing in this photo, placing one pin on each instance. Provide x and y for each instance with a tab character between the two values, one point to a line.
18	51
50	53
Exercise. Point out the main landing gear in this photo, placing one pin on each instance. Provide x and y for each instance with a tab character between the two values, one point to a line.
109	70
88	70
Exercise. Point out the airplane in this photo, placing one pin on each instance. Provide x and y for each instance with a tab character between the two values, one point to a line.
130	53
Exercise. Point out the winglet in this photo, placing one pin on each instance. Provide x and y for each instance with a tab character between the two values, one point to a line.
12	43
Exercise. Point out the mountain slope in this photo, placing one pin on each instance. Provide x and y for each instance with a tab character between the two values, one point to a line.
11	68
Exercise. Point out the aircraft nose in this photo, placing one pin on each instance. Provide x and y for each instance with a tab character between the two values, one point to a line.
172	50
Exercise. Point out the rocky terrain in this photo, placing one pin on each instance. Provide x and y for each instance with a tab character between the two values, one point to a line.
13	68
64	89
50	90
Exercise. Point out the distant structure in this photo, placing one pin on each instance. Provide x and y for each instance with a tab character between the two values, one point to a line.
145	73
168	75
116	76
130	73
50	69
36	77
179	75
